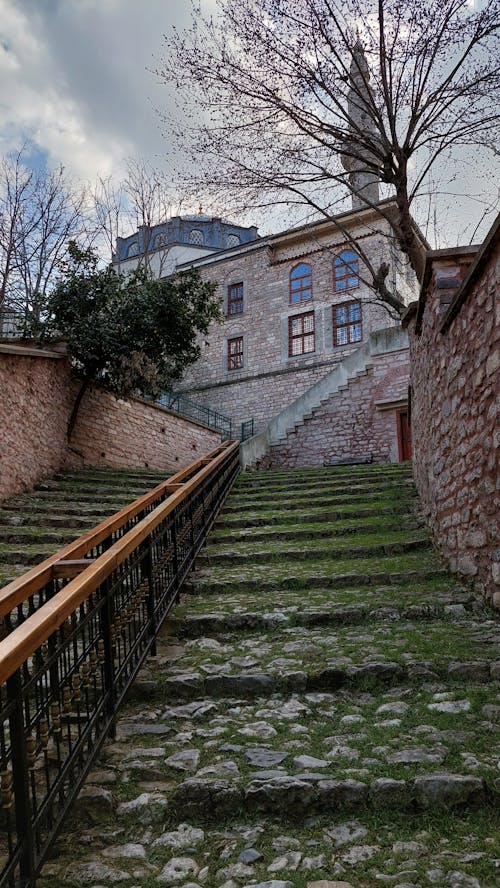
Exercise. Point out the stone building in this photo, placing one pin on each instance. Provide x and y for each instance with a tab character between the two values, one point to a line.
296	305
178	240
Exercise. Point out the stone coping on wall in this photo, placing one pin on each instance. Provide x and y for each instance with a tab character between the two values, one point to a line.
29	351
490	244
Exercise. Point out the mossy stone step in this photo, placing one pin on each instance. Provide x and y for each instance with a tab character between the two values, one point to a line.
314	551
312	516
284	533
45	519
63	509
287	476
220	623
85	490
22	535
286	504
56	497
116	476
288	492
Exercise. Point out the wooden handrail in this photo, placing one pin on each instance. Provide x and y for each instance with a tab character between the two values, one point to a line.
22	587
17	647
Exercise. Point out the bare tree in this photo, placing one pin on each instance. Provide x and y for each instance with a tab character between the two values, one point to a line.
296	102
39	214
16	220
108	214
148	203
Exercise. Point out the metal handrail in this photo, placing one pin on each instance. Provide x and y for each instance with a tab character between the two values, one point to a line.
191	410
67	667
24	595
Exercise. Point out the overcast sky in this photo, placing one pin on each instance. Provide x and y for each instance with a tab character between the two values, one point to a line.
77	81
74	78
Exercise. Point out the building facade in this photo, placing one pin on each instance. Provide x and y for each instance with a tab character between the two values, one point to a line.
295	305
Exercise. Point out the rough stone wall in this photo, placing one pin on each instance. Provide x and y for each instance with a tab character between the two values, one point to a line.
455	387
270	379
358	420
113	432
36	397
34	411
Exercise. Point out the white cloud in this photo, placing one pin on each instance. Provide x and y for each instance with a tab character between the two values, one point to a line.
75	78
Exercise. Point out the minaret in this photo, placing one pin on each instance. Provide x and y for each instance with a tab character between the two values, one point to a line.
364	182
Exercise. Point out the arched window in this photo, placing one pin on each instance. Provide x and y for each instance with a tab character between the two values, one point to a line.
300	283
133	249
196	237
345	271
233	240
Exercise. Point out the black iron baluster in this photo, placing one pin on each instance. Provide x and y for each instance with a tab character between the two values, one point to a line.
21	780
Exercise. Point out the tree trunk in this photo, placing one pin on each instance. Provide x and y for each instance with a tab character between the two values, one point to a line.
76	406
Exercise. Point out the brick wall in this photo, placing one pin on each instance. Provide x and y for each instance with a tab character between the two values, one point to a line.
269	379
358	420
455	360
36	397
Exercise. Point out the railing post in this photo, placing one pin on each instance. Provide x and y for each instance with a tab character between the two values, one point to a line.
150	600
107	630
21	780
176	556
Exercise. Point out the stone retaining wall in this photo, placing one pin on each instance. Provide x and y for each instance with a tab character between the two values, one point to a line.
119	433
357	420
36	397
455	358
35	402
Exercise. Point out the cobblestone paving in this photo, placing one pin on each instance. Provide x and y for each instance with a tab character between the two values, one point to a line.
323	709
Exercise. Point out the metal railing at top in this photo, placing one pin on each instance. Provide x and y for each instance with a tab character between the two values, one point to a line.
67	662
185	407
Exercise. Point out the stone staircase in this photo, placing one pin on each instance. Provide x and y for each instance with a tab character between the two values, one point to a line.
34	525
323	708
353	367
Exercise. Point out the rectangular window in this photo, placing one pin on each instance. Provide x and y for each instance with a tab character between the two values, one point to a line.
235	299
235	353
301	334
347	324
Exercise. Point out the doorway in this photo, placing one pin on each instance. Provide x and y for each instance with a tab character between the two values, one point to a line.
404	434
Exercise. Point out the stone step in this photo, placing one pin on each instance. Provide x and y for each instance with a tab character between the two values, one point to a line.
61	490
333	530
46	519
281	605
56	498
220	623
298	476
27	555
149	843
288	575
316	549
23	535
115	476
313	515
243	495
324	499
62	509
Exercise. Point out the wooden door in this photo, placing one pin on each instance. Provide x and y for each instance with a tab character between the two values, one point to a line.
404	434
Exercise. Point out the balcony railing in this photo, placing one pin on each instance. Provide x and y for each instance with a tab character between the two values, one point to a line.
77	630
